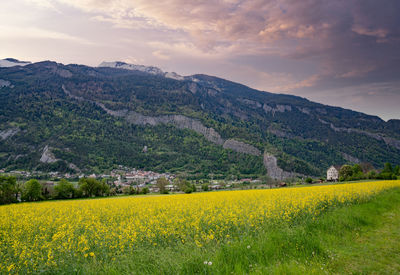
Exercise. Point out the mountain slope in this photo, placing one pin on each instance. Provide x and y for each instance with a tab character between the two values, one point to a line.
73	117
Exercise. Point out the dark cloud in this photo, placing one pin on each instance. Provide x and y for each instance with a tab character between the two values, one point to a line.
310	47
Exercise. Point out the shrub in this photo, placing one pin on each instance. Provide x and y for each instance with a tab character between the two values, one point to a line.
32	191
8	190
205	187
309	180
64	189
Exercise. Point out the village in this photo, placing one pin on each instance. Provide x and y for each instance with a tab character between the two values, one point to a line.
128	181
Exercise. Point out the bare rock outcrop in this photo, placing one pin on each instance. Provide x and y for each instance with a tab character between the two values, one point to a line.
68	93
392	142
179	121
192	87
8	133
47	155
4	83
304	110
63	73
183	122
253	104
279	108
273	170
350	158
241	147
388	140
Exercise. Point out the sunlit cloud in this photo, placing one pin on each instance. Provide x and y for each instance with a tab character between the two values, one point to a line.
161	55
37	33
342	45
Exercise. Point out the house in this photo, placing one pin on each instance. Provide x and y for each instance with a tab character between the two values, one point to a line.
215	186
170	187
332	174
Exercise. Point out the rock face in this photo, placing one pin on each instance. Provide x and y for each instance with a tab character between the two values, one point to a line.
47	156
392	142
183	122
251	103
8	133
63	73
350	158
278	108
388	140
122	65
270	162
11	62
305	110
241	147
4	83
179	121
141	68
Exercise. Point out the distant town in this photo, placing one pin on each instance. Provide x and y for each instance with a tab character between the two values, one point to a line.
129	181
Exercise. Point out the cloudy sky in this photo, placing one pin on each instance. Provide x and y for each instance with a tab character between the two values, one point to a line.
339	52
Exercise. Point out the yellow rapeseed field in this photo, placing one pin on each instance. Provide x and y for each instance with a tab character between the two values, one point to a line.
36	236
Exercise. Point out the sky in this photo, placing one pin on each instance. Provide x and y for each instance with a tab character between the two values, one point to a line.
338	52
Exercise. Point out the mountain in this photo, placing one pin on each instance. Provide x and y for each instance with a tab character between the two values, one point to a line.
11	62
80	118
141	68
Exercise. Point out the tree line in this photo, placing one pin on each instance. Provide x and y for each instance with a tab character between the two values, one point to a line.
32	190
363	171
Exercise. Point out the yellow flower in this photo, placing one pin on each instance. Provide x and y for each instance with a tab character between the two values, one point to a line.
60	229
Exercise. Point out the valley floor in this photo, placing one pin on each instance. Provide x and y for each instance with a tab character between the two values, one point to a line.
354	239
358	236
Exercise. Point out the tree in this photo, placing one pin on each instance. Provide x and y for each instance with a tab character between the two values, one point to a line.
387	172
357	172
357	169
345	172
185	186
8	190
396	170
32	191
104	188
128	190
64	189
388	168
161	184
372	174
90	187
308	180
145	190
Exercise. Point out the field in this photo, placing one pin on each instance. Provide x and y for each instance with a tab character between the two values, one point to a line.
214	232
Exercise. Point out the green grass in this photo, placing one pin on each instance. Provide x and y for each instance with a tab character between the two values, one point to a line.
356	239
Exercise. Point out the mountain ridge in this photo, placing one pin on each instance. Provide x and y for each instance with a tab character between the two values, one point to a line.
304	137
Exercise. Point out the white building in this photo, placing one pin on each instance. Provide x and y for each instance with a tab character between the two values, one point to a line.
332	174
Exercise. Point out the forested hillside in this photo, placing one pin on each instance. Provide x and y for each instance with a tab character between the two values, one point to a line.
79	118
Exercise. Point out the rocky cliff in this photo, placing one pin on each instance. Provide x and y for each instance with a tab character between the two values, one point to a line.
273	170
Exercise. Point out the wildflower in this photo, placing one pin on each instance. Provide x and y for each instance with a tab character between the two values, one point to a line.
116	225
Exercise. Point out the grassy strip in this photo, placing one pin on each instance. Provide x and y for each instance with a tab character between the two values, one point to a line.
360	238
